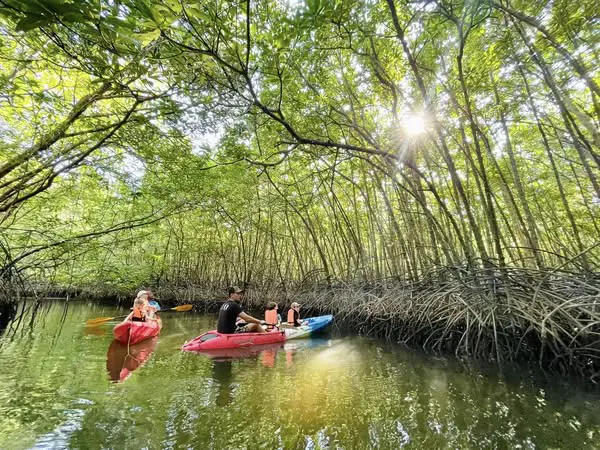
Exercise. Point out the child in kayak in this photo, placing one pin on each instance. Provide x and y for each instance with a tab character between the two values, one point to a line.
271	316
141	311
293	318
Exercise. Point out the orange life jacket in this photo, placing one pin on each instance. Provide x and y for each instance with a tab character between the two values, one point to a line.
139	313
291	317
271	316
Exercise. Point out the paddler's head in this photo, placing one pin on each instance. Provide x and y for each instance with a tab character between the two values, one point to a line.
139	302
236	293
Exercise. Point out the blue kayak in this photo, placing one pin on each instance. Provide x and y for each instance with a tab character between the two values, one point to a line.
309	326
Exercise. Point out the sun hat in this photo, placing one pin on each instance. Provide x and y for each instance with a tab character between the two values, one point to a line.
235	290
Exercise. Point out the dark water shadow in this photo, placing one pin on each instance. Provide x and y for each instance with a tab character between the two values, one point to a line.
26	317
222	373
8	311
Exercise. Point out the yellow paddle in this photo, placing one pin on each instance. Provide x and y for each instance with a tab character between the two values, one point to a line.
102	320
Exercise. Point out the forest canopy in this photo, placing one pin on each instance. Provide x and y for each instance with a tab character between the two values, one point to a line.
274	141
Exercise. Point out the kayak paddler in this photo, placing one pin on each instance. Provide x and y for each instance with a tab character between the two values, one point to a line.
153	305
293	317
140	308
271	316
231	310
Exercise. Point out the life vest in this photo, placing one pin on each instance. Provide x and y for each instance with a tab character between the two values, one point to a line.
291	320
138	313
271	316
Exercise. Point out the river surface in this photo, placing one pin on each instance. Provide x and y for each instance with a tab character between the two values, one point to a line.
65	386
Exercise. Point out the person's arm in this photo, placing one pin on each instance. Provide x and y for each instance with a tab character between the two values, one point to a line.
151	310
250	319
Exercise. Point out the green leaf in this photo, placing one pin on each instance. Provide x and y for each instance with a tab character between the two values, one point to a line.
73	17
194	11
118	23
31	22
145	9
146	38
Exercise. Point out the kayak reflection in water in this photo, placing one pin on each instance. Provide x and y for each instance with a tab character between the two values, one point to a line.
231	310
122	360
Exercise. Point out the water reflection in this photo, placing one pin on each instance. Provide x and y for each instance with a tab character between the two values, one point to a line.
344	392
268	357
96	331
122	360
296	346
222	373
267	354
8	310
239	353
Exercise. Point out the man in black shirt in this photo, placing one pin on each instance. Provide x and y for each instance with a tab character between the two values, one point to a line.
231	310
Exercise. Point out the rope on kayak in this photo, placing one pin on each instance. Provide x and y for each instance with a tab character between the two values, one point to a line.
129	355
129	337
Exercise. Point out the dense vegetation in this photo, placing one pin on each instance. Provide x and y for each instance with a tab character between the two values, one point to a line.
443	155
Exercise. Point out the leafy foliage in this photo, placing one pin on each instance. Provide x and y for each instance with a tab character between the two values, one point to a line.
270	141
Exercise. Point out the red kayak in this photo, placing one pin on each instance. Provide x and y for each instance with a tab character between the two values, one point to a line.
213	340
128	332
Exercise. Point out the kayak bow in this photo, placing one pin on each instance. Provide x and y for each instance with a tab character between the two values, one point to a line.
129	332
309	327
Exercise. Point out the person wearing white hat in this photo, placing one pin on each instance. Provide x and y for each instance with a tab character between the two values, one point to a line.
293	317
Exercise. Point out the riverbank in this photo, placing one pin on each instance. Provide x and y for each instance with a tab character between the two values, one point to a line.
499	315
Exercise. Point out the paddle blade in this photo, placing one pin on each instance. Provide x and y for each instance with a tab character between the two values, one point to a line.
182	308
98	321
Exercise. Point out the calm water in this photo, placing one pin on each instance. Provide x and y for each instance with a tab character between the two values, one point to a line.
333	392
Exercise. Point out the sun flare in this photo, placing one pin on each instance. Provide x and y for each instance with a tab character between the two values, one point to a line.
414	125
